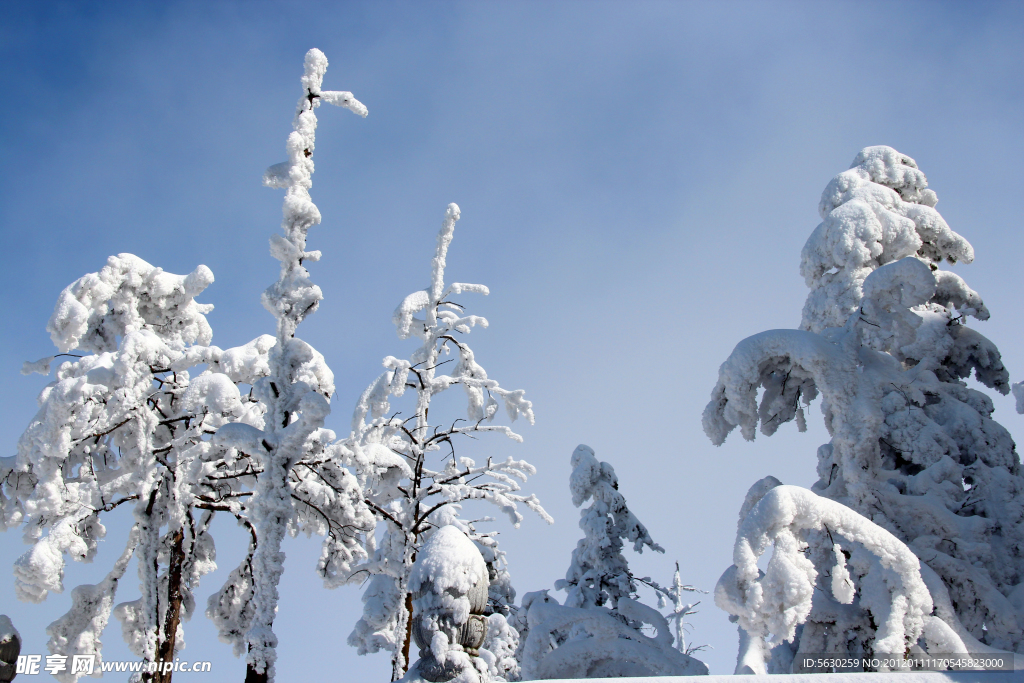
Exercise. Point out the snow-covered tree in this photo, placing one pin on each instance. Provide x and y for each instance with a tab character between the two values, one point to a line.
597	633
126	422
129	420
408	469
300	486
675	594
914	449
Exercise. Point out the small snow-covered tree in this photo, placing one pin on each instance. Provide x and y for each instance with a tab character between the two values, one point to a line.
126	421
914	449
597	633
675	594
300	486
408	469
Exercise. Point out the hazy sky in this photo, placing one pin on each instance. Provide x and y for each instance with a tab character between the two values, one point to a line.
636	182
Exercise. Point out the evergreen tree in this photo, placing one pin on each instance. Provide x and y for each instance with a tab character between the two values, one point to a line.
914	448
598	632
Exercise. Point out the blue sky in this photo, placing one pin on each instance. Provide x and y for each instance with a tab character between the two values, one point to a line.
636	183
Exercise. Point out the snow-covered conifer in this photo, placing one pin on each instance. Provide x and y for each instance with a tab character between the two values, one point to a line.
599	573
597	633
408	468
913	449
299	486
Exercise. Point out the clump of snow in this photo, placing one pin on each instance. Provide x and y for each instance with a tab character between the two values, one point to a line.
129	294
877	212
448	567
449	586
777	601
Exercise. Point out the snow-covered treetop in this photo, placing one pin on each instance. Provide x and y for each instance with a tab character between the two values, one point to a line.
877	212
294	296
128	295
300	486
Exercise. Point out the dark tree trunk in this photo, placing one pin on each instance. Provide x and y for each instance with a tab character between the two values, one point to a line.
165	642
252	676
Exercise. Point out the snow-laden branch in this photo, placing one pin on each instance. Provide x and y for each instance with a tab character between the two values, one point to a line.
777	601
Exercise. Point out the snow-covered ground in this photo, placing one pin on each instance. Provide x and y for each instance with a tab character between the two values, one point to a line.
930	677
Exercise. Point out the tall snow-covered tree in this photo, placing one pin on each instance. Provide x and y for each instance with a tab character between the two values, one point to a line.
914	448
408	468
125	422
299	484
597	633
